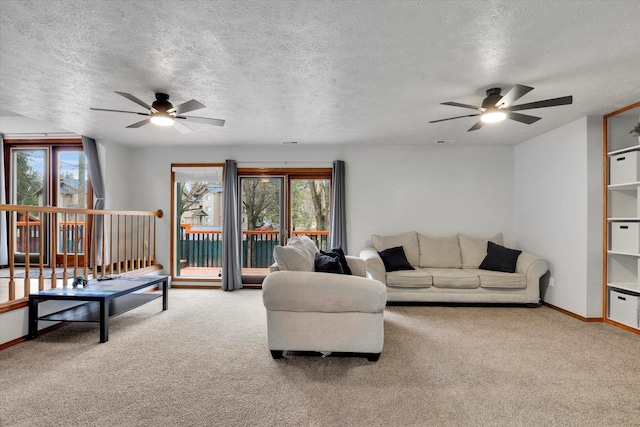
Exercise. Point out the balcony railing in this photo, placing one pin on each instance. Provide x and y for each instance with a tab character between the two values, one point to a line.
203	248
125	244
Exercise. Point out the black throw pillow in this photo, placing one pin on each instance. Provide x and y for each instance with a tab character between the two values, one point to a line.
500	258
343	259
394	259
327	262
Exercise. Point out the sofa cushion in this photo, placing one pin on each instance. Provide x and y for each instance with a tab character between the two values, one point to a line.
409	241
498	279
327	262
474	249
500	258
439	252
293	257
453	278
417	278
394	259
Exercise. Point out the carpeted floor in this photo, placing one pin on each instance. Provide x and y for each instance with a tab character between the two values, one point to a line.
205	362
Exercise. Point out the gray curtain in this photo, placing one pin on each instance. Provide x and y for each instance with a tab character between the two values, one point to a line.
231	231
95	175
338	229
4	248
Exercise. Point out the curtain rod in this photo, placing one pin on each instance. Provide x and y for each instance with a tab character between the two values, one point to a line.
10	134
286	162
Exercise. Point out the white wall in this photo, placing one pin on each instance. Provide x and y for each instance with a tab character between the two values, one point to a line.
433	189
558	211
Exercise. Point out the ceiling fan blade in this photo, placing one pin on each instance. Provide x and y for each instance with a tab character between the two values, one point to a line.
119	111
457	104
522	118
186	107
451	118
565	100
514	94
181	127
138	124
205	120
477	126
134	99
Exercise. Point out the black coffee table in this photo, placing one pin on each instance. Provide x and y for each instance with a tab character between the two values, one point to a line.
102	300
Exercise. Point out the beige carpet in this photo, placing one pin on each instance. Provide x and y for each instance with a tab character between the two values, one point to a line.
205	362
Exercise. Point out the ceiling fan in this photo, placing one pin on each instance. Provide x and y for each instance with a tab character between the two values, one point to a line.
162	113
496	107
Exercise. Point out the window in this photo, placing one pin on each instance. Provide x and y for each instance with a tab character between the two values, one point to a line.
48	172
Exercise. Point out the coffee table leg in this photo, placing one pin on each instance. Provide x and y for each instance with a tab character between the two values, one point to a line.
165	294
104	320
33	318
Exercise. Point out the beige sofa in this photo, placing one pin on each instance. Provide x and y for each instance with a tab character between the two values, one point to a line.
322	312
446	269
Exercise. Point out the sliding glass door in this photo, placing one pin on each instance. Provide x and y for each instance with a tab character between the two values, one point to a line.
263	223
29	187
198	222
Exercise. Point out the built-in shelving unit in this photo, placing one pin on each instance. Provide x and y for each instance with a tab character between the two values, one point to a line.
622	226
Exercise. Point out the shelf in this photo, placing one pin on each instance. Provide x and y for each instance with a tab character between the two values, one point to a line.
90	311
626	286
622	253
623	219
624	150
625	186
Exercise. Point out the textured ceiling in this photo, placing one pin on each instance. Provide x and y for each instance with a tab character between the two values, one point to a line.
317	72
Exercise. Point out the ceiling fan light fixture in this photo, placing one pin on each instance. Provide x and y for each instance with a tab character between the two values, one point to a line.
162	119
494	116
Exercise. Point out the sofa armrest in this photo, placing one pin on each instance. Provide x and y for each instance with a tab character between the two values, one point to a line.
306	291
373	264
357	265
533	267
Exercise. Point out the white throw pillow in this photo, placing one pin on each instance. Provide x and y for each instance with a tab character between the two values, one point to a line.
293	257
439	252
408	241
474	249
308	244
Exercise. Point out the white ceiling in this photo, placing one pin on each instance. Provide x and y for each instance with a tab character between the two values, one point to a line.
317	72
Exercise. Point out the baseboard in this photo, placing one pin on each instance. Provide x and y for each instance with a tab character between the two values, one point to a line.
576	316
40	332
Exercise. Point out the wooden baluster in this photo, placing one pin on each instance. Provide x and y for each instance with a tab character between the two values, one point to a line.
54	248
94	249
75	244
110	244
27	256
154	240
124	238
103	259
119	267
42	249
138	243
144	234
86	244
12	254
131	256
65	243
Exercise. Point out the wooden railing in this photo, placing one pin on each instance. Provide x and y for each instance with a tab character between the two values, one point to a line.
125	242
203	248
